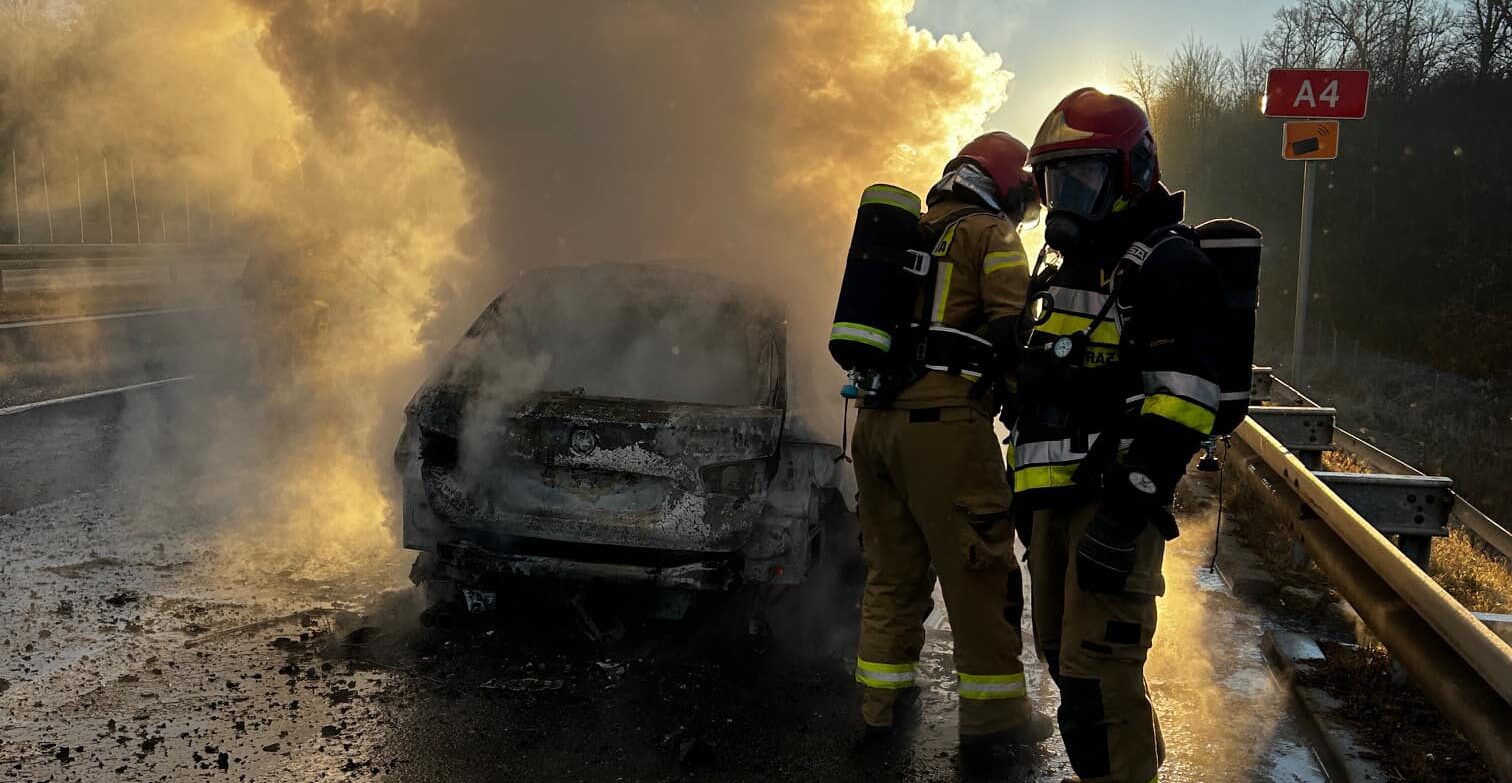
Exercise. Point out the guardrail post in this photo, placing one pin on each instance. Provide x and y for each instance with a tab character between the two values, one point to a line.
1305	431
1413	507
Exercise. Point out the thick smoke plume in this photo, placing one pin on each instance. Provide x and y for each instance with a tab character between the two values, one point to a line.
441	146
736	133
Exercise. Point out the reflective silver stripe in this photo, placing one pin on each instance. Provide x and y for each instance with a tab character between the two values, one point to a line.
1233	396
862	334
959	333
1077	301
873	674
1180	384
1048	452
967	374
942	291
1235	242
891	196
1004	259
1014	686
1134	399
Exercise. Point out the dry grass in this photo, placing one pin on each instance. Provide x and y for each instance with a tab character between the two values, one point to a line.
1263	521
1480	582
1344	462
1415	741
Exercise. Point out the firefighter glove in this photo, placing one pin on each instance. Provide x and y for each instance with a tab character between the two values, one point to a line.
1105	554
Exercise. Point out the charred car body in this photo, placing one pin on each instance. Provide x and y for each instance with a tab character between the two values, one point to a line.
617	423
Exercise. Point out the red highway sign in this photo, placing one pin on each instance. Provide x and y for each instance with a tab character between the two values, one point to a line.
1301	92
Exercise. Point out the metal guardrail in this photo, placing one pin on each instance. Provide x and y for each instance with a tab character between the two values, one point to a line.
1463	668
1463	514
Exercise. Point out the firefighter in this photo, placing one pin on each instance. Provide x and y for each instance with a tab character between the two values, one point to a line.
1117	387
932	484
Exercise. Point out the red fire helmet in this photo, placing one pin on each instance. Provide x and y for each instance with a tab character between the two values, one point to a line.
1089	123
1002	157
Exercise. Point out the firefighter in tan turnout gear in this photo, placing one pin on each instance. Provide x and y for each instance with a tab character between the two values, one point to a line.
934	496
1118	387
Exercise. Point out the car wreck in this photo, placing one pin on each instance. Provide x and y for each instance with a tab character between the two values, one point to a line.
622	424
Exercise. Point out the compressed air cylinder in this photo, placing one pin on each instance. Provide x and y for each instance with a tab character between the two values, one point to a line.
884	270
1233	246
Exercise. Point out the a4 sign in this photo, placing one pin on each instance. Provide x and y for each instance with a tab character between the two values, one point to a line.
1316	93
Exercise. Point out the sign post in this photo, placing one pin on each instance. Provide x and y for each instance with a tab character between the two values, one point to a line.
1304	268
1334	94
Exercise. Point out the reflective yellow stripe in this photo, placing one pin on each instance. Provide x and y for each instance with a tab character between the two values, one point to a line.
861	333
892	197
1004	259
1185	413
984	687
942	291
1043	477
943	246
890	676
1059	324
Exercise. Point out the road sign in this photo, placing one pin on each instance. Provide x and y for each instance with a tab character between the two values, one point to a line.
1311	140
1333	93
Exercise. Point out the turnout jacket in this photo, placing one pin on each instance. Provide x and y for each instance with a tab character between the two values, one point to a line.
980	283
1145	390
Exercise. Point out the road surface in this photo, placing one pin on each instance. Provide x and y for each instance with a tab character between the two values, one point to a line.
154	626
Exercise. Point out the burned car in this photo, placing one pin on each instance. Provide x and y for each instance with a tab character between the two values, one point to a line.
618	423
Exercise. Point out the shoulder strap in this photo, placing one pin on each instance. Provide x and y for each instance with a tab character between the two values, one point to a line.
945	236
1140	252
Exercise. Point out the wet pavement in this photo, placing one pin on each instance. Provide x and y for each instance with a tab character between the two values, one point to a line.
146	633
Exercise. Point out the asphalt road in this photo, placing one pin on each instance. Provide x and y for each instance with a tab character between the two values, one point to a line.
151	629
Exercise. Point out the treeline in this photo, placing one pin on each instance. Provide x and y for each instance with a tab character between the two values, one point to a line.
1412	234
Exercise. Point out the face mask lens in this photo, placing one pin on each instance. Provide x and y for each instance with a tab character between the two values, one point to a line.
1077	186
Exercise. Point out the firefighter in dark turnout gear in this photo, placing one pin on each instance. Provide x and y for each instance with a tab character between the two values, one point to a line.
934	496
1118	390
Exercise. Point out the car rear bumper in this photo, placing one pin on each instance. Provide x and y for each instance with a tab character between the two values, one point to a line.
468	562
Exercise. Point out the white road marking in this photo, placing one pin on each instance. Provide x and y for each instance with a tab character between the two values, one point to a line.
89	395
112	316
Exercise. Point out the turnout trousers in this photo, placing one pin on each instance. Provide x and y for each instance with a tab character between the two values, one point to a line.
1095	646
934	501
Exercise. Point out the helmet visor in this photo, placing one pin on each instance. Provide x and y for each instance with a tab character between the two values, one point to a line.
1079	186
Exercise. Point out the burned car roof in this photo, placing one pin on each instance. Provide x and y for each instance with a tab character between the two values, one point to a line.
649	332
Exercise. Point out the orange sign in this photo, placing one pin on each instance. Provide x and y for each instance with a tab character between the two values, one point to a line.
1311	140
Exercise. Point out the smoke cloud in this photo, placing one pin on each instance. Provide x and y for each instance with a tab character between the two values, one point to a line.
440	147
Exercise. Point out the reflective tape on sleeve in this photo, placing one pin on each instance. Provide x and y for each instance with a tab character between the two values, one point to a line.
861	333
890	676
1183	412
991	686
1180	384
1001	260
893	197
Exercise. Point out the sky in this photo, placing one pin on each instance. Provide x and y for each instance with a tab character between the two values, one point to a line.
1054	46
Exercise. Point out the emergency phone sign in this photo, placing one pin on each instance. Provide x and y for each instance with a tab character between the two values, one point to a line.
1339	94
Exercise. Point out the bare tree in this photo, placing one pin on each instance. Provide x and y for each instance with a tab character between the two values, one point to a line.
1143	81
1297	39
1484	29
1245	75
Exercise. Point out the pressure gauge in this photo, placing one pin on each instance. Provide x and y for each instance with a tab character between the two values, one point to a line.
1062	346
